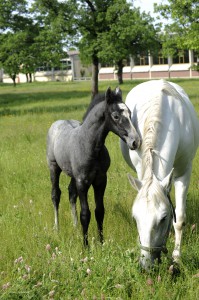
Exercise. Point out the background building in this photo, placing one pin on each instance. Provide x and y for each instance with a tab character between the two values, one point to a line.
145	66
141	66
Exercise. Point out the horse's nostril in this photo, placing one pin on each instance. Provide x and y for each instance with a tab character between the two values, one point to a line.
134	144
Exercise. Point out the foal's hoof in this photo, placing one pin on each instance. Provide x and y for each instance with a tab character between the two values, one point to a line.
174	269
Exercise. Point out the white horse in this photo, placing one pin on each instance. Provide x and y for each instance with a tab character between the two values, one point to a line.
168	126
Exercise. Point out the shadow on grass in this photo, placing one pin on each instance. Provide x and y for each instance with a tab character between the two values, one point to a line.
118	208
41	110
19	99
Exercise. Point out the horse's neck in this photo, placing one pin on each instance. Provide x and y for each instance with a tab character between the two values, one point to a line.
94	128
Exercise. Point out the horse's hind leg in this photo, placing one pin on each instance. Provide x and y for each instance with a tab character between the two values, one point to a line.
99	186
56	192
73	199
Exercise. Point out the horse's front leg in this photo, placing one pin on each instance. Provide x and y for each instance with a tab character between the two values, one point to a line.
85	214
181	187
99	186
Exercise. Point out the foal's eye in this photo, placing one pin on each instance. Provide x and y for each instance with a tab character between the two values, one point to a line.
115	116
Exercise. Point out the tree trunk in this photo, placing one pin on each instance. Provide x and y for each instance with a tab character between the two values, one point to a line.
14	79
120	71
95	71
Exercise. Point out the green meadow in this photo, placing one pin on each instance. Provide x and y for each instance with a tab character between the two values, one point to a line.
38	263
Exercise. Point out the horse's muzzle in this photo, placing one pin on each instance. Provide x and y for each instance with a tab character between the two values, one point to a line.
149	261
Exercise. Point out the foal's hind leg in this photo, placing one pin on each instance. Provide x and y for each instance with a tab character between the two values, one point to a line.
99	186
85	215
56	192
73	199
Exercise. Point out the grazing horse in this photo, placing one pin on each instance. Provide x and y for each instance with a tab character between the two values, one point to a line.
78	150
168	127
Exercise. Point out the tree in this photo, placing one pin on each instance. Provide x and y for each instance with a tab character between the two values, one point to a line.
10	48
112	30
99	28
14	15
131	34
26	41
182	31
83	20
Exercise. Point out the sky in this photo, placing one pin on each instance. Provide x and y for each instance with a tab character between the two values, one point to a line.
147	5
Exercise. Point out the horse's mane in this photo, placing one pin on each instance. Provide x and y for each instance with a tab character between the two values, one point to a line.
152	113
152	121
96	100
151	189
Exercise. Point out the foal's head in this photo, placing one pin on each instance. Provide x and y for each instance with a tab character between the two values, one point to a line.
118	118
153	212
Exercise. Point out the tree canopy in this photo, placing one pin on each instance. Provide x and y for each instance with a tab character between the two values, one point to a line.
182	30
110	31
106	31
26	40
131	34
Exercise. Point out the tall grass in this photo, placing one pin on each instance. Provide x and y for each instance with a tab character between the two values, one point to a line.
38	263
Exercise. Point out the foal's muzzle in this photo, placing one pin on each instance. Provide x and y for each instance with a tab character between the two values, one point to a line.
133	142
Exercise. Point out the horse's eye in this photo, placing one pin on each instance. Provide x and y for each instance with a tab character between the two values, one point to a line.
164	218
115	116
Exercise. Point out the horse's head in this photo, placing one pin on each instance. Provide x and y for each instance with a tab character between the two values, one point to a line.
118	117
153	212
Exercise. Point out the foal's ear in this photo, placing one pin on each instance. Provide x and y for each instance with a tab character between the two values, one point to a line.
118	91
135	183
167	182
108	95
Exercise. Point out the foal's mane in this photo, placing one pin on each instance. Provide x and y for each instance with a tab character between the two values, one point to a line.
96	100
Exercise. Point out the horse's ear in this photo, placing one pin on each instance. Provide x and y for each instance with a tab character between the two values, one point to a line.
118	91
135	183
167	182
108	95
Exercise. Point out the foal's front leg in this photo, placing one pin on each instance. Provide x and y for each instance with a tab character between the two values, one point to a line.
85	214
99	186
73	199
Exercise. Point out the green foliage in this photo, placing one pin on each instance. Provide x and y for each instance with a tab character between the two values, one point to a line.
115	31
28	39
126	38
183	27
13	15
38	263
112	30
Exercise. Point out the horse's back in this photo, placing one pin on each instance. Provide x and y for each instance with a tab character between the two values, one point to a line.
177	138
179	105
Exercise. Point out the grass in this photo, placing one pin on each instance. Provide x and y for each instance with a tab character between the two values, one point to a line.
36	262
